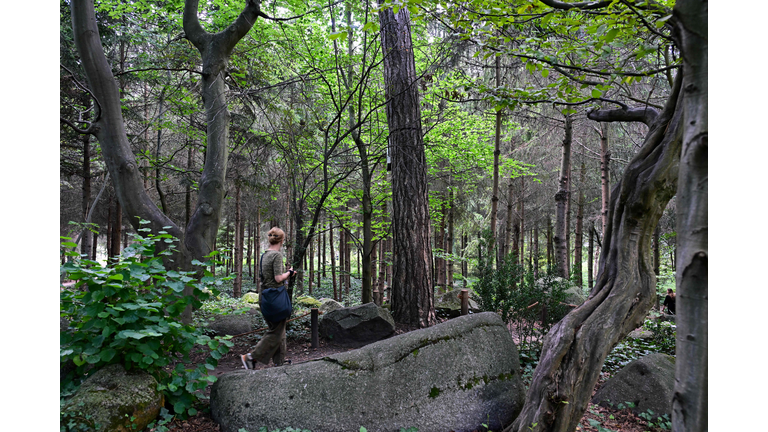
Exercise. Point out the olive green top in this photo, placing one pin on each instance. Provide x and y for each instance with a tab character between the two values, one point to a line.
271	265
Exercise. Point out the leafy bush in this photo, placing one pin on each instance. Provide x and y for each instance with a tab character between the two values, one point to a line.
533	306
129	313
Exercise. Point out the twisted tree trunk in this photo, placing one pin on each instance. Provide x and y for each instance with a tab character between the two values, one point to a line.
576	347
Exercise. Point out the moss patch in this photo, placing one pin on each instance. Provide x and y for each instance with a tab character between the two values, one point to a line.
435	392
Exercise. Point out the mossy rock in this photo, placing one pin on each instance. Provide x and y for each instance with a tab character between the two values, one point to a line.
308	302
113	399
251	297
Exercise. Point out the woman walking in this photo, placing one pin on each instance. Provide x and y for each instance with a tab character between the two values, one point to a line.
272	345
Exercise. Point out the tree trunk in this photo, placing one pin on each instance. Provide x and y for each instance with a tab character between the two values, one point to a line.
311	269
85	245
449	243
464	264
536	251
605	174
109	128
333	262
549	244
325	236
158	148
440	245
342	263
412	295
510	216
257	256
348	263
576	347
116	229
579	234
249	250
590	271
521	218
237	286
561	199
689	403
496	154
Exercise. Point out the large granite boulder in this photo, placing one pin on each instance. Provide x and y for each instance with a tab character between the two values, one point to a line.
329	305
648	382
454	376
223	325
357	326
449	304
111	397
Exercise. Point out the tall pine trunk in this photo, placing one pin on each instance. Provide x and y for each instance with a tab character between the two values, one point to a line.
412	295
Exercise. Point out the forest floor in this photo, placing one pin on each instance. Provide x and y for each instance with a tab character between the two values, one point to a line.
300	350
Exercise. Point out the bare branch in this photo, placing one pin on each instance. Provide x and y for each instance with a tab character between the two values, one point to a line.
583	5
93	96
88	130
639	114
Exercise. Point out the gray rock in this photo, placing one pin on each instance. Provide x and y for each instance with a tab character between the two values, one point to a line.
575	295
448	304
648	382
111	396
357	326
640	334
329	305
230	325
454	376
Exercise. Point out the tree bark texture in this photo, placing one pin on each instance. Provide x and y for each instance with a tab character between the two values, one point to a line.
575	349
689	402
561	201
412	295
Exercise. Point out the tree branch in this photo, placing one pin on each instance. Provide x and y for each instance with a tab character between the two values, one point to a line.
89	130
93	96
583	5
636	114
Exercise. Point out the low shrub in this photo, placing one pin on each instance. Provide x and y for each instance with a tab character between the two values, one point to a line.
129	312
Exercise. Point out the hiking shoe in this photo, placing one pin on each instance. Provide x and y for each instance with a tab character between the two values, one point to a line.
247	361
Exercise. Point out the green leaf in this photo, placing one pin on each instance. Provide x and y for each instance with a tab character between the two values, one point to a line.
107	354
130	334
545	73
596	93
337	35
611	35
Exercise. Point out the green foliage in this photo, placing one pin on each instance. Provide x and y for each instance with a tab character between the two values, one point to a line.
533	306
74	420
663	341
129	313
653	421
